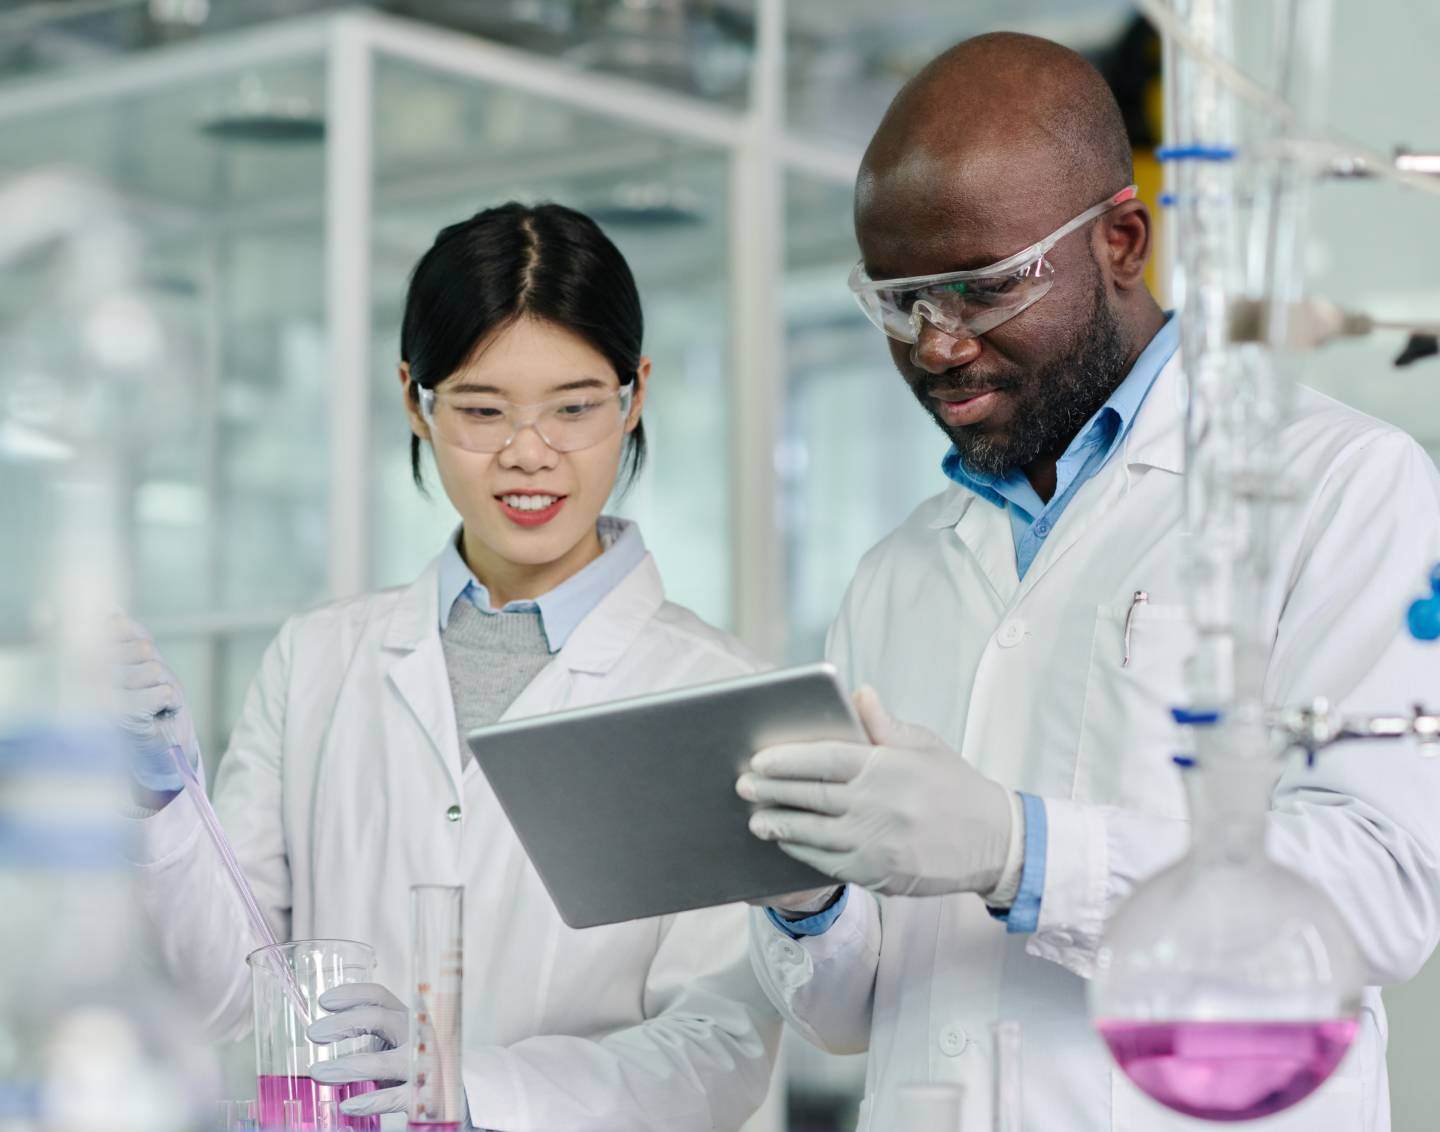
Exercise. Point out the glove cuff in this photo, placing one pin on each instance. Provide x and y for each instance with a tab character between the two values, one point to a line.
1004	893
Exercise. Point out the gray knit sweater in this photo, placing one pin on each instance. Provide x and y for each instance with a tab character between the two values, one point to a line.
490	658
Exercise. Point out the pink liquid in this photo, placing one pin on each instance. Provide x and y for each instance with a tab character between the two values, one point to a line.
1227	1071
275	1090
434	1126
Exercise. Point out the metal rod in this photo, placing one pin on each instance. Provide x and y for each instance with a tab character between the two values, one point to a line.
349	174
757	351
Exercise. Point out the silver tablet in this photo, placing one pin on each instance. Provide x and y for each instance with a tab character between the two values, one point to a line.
628	809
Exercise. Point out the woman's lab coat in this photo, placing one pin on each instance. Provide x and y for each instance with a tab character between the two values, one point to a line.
342	787
1026	679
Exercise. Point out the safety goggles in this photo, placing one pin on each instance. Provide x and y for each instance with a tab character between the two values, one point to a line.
485	423
966	304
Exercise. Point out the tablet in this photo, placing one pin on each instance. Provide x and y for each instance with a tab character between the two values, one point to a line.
628	809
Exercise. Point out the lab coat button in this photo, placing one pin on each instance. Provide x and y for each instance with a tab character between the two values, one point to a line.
453	813
1011	634
953	1040
784	950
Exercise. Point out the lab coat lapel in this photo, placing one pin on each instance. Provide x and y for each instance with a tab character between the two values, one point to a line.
984	530
417	669
597	643
1157	439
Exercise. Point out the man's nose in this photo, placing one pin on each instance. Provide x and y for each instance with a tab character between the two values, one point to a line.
936	352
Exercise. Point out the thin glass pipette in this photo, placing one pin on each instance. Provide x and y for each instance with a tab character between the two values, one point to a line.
195	789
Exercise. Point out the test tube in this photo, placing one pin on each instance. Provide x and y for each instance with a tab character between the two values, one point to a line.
1009	1115
236	1116
437	1096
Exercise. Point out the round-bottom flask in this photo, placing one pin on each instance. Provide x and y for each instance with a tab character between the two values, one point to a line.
1227	987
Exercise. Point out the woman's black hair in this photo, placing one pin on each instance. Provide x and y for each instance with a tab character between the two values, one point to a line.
541	261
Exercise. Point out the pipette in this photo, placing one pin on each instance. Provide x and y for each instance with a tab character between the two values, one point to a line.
195	789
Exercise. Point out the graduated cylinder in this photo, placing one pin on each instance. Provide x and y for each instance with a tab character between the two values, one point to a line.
437	950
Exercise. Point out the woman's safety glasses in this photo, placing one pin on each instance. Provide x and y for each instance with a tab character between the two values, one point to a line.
966	304
482	422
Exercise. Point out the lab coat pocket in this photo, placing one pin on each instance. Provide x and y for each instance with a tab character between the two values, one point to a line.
1337	1106
1127	734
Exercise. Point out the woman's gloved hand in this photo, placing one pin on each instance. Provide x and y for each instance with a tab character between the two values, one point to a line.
146	691
358	1009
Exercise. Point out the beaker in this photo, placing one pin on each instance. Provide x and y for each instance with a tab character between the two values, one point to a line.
1227	987
437	950
283	1053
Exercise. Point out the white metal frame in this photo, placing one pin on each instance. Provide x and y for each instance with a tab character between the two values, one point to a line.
760	152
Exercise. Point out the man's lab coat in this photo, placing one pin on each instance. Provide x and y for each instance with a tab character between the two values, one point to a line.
1025	679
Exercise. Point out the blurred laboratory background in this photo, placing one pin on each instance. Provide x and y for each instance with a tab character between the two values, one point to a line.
285	162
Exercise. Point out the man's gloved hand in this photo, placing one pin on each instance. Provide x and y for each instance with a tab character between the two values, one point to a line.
359	1009
145	689
907	816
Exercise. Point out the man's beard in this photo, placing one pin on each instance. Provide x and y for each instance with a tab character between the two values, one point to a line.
1051	403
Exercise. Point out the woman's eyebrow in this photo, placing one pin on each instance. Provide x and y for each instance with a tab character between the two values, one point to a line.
580	383
564	387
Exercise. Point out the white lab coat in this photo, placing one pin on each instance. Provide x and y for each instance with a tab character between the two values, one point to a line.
336	791
1024	678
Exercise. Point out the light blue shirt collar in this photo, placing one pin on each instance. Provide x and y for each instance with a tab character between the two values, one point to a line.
1093	445
564	607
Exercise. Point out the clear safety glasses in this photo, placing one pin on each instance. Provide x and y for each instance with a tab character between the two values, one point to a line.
965	304
481	422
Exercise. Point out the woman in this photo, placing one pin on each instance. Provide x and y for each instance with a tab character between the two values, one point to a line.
347	779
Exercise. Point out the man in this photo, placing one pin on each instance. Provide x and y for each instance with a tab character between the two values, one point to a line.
1033	618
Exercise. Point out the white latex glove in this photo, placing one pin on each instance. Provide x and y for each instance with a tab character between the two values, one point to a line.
359	1009
145	689
907	816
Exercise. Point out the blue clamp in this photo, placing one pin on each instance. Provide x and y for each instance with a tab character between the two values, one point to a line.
1187	718
1184	762
1195	153
1424	614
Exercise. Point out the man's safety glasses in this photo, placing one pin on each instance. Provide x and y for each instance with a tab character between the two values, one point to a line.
481	422
966	304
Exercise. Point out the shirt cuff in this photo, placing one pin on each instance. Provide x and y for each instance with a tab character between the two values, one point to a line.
1024	914
817	924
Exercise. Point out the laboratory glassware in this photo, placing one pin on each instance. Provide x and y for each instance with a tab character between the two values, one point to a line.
283	1051
437	956
1227	987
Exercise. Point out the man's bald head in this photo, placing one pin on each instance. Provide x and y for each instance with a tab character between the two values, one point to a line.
991	148
1009	111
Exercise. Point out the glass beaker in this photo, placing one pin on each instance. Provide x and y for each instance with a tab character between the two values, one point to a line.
1227	986
283	1053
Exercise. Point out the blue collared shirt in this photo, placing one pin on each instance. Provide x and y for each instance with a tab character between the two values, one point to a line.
564	607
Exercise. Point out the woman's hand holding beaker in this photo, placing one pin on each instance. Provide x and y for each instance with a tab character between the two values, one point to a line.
358	1009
